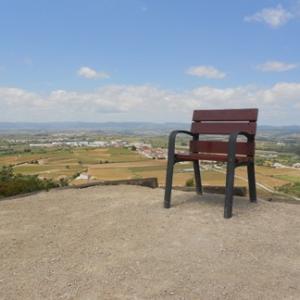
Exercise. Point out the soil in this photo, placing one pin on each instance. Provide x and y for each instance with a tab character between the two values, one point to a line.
117	242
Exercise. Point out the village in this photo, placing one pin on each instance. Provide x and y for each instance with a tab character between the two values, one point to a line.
143	149
147	150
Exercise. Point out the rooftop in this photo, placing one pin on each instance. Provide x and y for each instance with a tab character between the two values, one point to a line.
117	242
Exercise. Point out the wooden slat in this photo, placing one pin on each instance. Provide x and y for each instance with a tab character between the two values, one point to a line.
220	147
213	157
248	114
223	128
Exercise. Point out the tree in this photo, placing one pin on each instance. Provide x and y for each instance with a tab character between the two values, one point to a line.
6	173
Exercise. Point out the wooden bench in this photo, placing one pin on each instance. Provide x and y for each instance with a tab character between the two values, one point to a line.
230	122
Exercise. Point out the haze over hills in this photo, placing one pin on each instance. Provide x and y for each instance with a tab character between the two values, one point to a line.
102	126
121	126
276	133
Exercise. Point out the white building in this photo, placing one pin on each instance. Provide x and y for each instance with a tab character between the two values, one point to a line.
83	176
278	165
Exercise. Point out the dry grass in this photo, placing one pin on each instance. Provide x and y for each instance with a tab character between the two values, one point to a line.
109	174
133	164
119	163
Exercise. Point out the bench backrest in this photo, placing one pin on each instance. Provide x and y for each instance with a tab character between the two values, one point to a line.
223	121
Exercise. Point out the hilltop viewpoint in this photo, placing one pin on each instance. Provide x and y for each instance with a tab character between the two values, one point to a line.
117	242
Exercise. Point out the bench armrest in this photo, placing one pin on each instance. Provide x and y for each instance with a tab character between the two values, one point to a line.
172	140
232	143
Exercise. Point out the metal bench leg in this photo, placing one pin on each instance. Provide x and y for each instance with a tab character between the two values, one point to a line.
197	177
169	179
229	190
251	181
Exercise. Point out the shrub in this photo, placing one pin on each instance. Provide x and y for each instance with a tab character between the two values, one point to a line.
63	182
11	184
6	173
290	188
189	182
75	175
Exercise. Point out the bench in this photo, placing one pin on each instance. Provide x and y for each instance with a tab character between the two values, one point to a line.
230	122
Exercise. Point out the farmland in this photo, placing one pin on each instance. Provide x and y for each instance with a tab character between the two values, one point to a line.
125	163
77	156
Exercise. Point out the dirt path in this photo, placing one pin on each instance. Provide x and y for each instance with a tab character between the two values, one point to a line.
119	243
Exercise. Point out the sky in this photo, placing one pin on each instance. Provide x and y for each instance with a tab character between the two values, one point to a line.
148	60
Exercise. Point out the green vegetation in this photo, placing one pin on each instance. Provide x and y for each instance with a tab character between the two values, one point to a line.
292	179
290	188
123	155
14	184
189	182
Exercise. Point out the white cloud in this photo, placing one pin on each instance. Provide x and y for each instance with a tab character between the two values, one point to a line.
276	66
10	97
205	71
278	104
274	17
90	73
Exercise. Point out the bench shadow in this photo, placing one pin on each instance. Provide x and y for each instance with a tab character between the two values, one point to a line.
241	205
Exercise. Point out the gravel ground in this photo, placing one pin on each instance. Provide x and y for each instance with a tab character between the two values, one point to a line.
117	242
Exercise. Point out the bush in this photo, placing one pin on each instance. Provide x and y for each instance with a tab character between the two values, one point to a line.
290	188
6	173
75	175
63	182
190	182
11	184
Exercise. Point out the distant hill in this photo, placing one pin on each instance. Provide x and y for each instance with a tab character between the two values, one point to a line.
121	127
288	128
264	131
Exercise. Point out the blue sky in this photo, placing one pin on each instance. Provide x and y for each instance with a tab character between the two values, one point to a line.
134	60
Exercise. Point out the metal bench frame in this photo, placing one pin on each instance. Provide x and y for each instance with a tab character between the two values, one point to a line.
218	122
